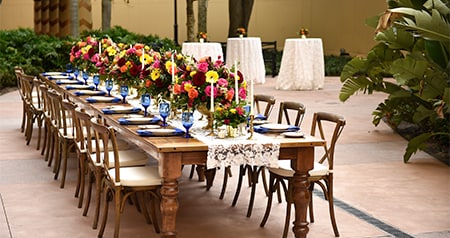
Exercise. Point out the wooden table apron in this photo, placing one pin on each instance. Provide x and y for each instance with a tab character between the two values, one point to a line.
173	152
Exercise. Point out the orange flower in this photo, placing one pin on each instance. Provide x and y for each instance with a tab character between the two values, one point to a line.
192	93
176	89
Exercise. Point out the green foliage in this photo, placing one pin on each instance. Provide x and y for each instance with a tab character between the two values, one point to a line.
335	64
410	64
40	53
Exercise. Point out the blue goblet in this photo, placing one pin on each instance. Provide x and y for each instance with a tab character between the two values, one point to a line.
145	101
76	72
124	92
85	77
109	86
164	109
69	68
96	80
187	118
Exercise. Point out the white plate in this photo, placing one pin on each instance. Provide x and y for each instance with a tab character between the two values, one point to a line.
275	127
102	98
90	92
162	131
67	81
294	134
260	122
149	127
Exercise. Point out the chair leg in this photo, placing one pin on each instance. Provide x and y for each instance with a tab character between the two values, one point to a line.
254	174
24	117
98	187
264	179
153	212
210	174
331	206
226	172
191	174
89	194
44	143
117	211
39	132
272	188
64	172
311	207
105	213
239	185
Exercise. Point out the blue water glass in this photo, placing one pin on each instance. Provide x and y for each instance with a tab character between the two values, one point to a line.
145	101
124	92
69	68
96	80
85	77
76	72
187	118
109	86
164	109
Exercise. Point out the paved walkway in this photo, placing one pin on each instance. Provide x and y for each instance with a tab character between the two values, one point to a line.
377	195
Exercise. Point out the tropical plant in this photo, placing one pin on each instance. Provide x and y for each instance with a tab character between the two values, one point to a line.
410	64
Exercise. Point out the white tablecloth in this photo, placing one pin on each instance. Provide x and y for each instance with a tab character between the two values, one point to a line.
199	50
247	53
302	65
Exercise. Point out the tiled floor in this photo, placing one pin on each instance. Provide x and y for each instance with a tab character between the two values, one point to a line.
377	195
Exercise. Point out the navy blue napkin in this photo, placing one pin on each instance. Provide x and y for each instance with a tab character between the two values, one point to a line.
112	111
260	117
261	129
113	100
97	93
153	120
177	132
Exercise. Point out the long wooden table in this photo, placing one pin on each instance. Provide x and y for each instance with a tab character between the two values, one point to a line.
175	151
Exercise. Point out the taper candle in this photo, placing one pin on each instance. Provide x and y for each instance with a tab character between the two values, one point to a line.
212	96
236	86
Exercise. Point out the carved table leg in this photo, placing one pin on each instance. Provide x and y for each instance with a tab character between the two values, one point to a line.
170	170
304	163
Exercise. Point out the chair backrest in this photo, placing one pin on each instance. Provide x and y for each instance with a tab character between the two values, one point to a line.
84	133
105	135
288	107
60	116
69	111
26	83
18	71
329	126
264	101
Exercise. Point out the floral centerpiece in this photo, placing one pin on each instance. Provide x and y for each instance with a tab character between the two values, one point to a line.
129	64
162	69
303	32
201	36
84	54
241	32
230	114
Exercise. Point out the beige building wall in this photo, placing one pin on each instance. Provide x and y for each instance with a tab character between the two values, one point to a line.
340	23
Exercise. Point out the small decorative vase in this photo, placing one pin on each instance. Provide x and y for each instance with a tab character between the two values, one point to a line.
232	132
201	40
241	36
303	37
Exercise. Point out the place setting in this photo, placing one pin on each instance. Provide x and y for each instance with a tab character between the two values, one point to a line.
102	99
277	128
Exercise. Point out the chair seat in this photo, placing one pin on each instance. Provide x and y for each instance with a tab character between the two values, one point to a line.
127	158
138	176
121	144
286	171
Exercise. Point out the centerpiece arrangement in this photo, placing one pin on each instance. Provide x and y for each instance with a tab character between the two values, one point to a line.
201	36
241	32
188	84
303	32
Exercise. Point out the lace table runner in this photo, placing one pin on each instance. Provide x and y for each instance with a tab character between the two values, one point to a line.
260	150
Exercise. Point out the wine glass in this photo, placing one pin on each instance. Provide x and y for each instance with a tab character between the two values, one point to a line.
124	92
145	101
164	109
69	68
76	72
96	80
187	118
109	86
85	77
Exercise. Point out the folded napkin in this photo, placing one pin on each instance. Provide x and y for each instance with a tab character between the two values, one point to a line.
113	111
260	117
94	100
261	129
54	73
139	120
68	81
175	132
89	92
60	77
78	86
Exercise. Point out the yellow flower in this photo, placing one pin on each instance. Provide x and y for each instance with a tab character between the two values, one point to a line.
187	86
169	66
233	110
111	51
193	73
155	74
212	76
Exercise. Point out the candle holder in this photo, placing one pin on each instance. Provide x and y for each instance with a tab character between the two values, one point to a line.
210	123
252	117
